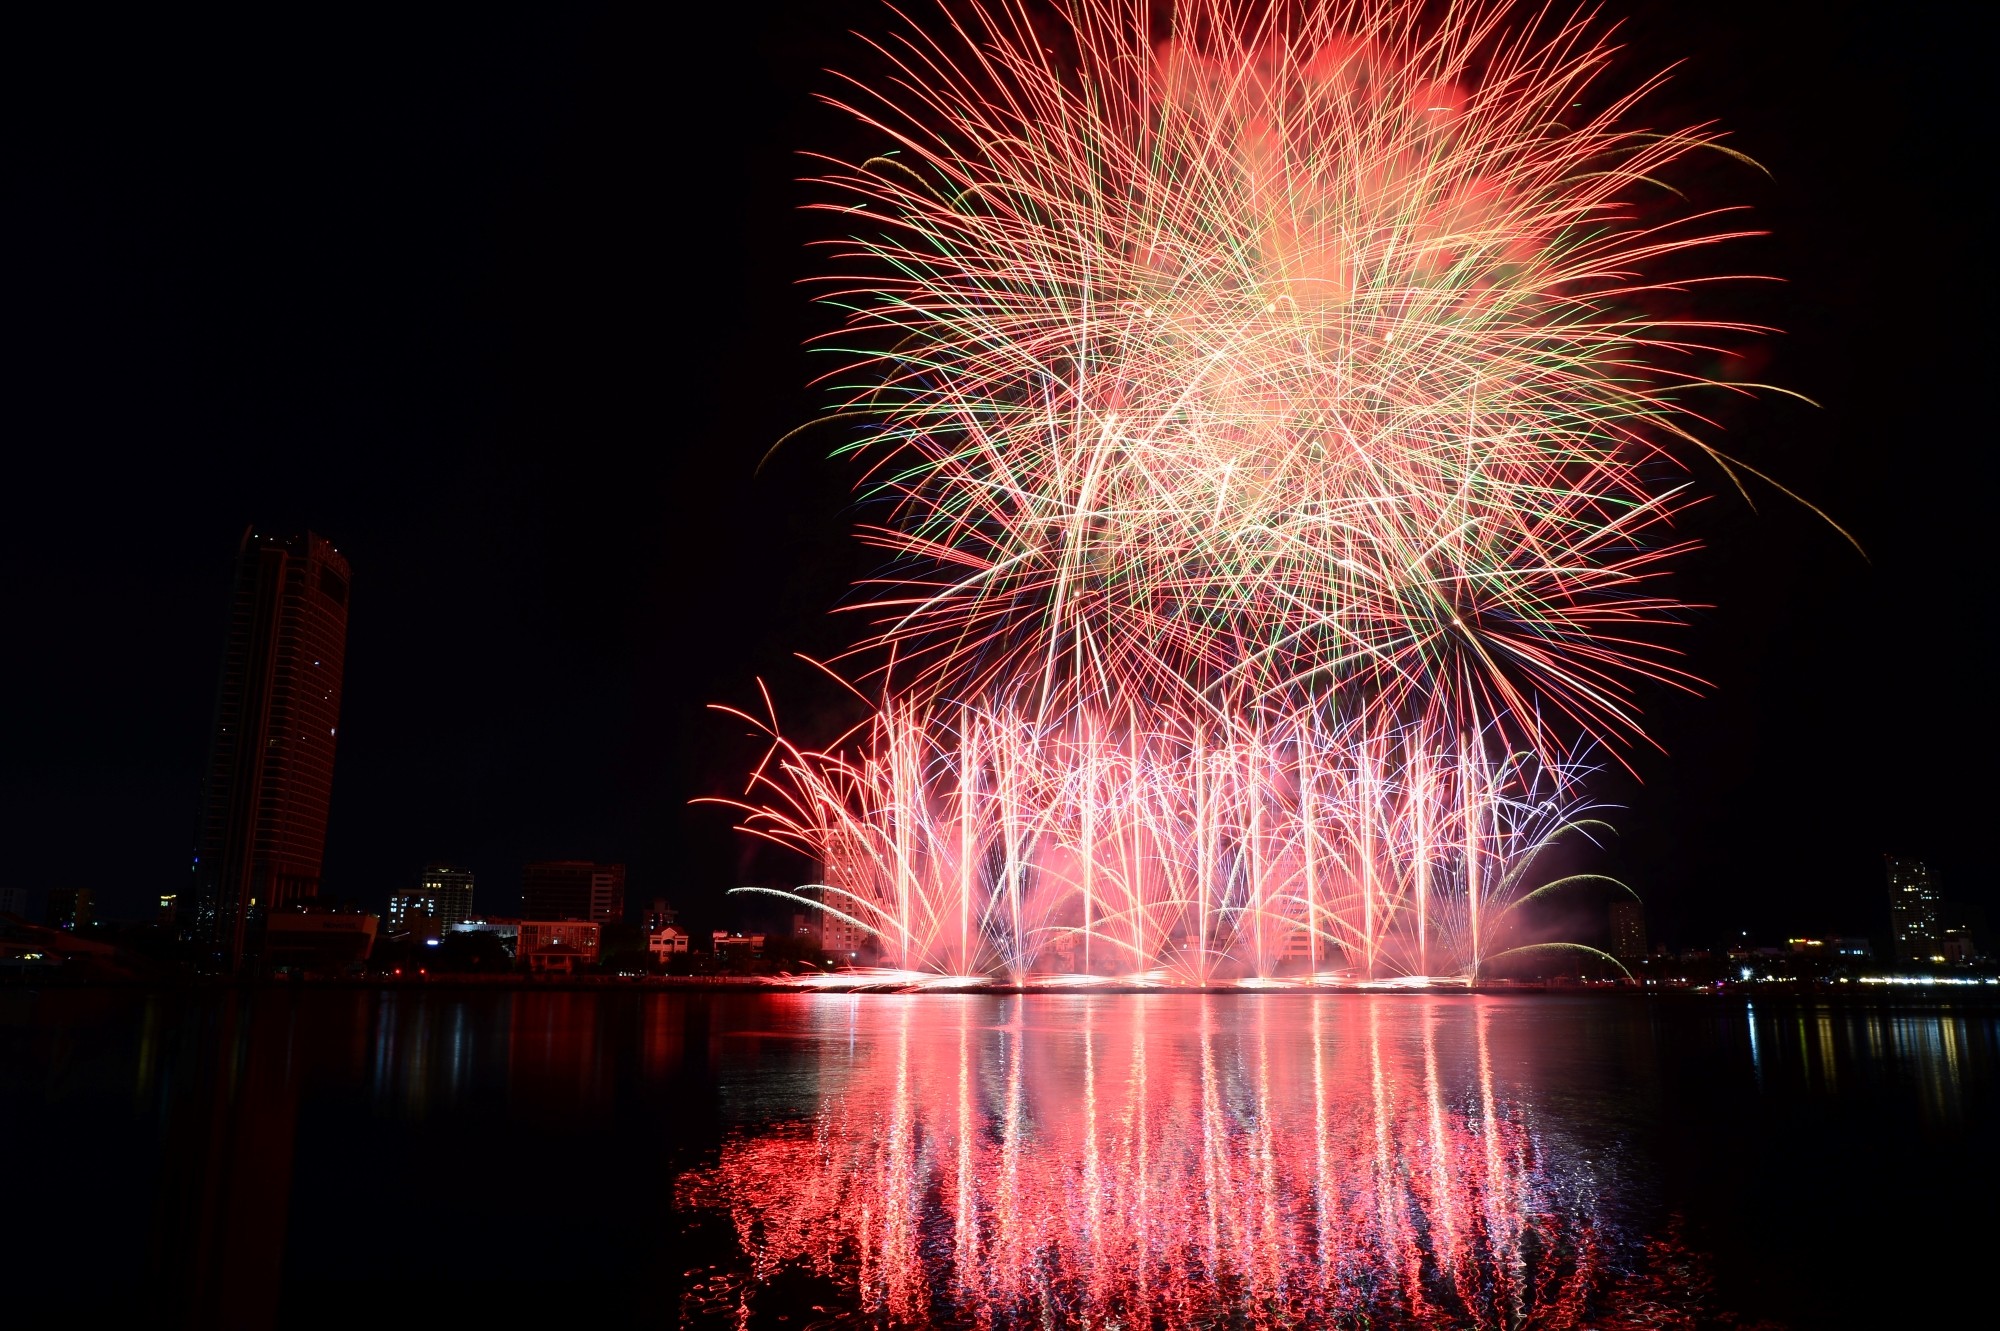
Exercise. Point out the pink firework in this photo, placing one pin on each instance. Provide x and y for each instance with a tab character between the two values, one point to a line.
1282	358
1276	422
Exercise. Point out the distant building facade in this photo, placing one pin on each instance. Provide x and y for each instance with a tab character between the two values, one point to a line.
843	938
666	941
409	905
507	930
573	890
1628	930
659	915
318	940
269	780
1913	911
71	908
441	900
14	901
559	947
450	890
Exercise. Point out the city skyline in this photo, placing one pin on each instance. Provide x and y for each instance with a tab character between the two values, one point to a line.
274	575
527	682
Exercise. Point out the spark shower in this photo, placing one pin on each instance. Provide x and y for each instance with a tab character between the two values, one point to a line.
1274	420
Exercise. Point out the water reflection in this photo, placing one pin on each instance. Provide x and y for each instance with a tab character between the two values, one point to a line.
1824	1049
1169	1163
228	1080
434	1054
279	1156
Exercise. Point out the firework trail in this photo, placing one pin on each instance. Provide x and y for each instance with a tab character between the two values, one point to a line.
1275	420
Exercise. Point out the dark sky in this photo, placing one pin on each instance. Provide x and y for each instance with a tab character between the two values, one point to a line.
504	305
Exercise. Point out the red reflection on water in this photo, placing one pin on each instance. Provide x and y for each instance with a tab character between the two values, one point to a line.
555	1064
1142	1163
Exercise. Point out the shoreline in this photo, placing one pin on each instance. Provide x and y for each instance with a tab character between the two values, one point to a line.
1981	989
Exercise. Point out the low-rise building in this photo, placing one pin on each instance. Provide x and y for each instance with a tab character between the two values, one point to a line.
318	940
558	947
509	930
667	941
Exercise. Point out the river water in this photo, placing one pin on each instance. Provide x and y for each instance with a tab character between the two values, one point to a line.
340	1157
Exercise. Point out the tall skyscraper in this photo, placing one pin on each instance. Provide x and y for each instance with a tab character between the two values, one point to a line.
1913	910
451	889
277	717
573	890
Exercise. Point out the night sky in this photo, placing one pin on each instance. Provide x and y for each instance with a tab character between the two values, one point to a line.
505	305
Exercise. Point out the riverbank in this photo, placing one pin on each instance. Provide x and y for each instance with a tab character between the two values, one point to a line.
1867	988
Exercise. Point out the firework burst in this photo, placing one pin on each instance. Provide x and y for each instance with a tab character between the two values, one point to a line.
1276	359
1275	419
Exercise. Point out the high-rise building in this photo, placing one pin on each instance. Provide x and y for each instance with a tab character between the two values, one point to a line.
1913	910
1628	930
573	890
71	908
14	901
277	717
846	939
839	936
659	915
451	891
